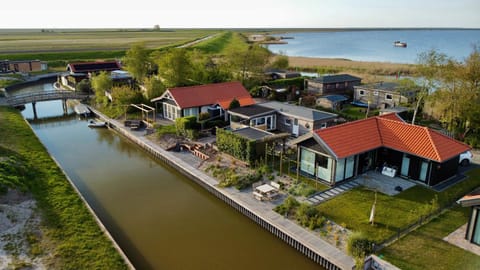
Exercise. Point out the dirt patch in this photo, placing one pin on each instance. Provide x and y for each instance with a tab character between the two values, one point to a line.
20	232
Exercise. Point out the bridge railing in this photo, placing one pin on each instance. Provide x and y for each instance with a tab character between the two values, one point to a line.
44	96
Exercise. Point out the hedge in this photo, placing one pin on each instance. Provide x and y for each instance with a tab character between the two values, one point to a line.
237	146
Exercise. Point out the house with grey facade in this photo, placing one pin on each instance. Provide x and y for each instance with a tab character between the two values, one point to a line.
283	117
340	84
382	95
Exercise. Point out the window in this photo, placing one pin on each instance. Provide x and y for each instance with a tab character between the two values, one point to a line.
190	111
323	125
288	121
375	93
389	97
361	92
322	161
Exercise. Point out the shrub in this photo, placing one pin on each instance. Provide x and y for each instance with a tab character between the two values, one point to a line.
288	206
358	245
186	125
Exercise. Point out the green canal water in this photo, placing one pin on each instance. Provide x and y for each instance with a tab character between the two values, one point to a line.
161	219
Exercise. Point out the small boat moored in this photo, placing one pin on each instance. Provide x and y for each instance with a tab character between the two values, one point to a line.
400	44
81	109
95	124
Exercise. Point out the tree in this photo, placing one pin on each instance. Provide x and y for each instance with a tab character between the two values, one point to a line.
429	65
124	95
457	93
154	87
101	83
83	86
156	27
234	104
175	67
249	63
137	61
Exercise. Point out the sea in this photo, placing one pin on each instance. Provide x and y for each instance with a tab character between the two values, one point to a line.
377	45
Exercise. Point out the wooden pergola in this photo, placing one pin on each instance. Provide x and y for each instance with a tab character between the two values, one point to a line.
146	110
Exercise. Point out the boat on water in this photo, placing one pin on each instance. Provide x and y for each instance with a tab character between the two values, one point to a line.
96	124
81	109
400	44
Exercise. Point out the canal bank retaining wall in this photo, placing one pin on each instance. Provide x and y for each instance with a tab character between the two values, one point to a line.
297	237
99	222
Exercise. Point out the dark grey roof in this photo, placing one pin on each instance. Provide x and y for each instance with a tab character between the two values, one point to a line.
298	111
336	78
252	133
335	98
314	145
386	86
251	110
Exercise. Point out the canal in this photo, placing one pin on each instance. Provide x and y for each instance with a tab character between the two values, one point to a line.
161	219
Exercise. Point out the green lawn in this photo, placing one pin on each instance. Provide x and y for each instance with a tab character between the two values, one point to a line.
425	249
70	234
392	212
354	113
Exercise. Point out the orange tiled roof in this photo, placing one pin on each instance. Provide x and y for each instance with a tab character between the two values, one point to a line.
244	101
207	94
389	131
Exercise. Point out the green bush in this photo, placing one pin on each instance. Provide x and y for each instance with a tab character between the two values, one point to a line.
309	216
186	125
288	207
301	189
358	245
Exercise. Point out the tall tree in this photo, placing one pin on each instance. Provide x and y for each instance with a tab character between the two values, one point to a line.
249	63
137	61
101	83
175	67
154	87
429	67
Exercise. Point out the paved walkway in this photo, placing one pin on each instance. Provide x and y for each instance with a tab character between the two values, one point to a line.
457	238
325	195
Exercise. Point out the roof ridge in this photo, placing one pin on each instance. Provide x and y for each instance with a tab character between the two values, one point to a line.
378	128
203	85
434	146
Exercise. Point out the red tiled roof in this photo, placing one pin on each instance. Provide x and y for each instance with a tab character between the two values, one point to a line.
207	94
93	66
389	131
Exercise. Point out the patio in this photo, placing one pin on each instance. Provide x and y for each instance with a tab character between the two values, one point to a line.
383	183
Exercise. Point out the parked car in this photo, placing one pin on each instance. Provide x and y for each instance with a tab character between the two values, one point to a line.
465	158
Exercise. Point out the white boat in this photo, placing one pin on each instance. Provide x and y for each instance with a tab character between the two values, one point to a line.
81	109
400	44
93	123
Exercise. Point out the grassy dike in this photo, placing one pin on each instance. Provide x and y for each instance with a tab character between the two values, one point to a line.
71	238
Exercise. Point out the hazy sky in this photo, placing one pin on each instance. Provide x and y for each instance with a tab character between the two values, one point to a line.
244	13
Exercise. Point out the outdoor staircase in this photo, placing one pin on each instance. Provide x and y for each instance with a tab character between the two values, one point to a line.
325	195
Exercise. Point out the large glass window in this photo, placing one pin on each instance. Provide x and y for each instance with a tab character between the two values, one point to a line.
340	171
349	167
307	161
190	112
476	232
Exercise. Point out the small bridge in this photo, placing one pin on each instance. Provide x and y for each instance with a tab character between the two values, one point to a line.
19	100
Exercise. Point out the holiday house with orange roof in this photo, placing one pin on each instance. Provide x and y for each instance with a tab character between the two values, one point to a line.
344	151
214	99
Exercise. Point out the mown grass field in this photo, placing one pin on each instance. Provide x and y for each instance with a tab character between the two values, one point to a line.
71	237
62	46
392	212
94	40
425	248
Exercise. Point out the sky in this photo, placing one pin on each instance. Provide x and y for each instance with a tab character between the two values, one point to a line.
240	14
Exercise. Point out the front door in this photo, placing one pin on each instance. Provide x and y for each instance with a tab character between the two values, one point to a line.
295	127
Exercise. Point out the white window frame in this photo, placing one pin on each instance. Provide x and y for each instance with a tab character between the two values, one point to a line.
361	92
288	122
375	93
388	95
